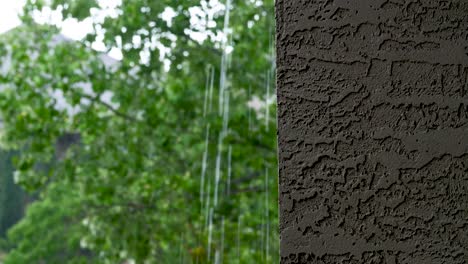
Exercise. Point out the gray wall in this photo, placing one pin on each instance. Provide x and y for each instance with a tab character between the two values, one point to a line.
373	131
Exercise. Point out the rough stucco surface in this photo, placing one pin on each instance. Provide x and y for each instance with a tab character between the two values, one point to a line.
373	131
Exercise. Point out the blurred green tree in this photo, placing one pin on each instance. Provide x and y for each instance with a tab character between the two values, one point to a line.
13	199
176	161
51	230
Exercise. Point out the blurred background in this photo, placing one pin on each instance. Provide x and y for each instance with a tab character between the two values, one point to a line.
138	131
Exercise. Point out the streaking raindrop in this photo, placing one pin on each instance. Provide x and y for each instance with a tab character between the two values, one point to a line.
218	168
210	233
229	170
204	164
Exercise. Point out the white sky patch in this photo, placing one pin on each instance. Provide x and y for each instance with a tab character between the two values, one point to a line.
9	14
202	22
167	15
72	28
76	30
108	8
258	105
47	16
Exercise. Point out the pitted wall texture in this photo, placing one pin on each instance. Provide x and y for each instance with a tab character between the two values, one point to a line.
373	131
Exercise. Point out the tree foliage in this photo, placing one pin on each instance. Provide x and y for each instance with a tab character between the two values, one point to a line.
51	230
131	189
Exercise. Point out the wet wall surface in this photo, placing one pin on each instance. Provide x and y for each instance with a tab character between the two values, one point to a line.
373	131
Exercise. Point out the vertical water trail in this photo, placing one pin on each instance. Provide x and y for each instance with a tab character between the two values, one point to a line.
207	90
238	238
229	170
262	237
181	251
222	83
250	109
271	45
210	233
204	164
218	168
226	112
267	98
270	75
272	49
222	240
267	216
223	99
210	97
207	208
231	45
224	58
217	258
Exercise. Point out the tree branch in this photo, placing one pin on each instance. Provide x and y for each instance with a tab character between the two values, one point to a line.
109	107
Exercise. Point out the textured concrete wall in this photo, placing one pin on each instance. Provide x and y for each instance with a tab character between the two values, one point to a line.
373	131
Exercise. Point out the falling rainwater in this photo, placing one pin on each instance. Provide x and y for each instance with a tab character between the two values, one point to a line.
217	258
207	91
210	188
210	97
229	170
262	237
267	216
267	98
226	111
269	76
181	249
231	45
222	240
204	164
222	83
250	109
238	238
207	208
224	58
210	233
218	168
